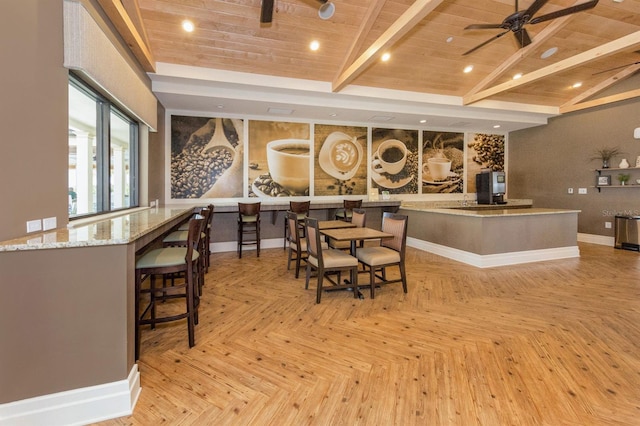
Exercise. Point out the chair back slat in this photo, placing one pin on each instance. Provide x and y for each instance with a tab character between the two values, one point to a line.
396	225
249	209
359	218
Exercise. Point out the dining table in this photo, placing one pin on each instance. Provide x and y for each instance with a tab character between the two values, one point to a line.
354	234
334	224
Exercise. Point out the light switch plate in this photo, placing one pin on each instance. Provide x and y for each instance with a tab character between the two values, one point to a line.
49	223
607	225
34	225
582	190
570	191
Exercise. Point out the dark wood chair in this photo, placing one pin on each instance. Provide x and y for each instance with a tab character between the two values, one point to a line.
168	261
347	209
358	218
297	242
326	261
301	208
248	225
390	252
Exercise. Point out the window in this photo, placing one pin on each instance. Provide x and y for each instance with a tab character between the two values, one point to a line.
103	154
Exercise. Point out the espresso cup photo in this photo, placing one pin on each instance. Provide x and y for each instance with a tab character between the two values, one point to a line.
390	157
439	168
288	162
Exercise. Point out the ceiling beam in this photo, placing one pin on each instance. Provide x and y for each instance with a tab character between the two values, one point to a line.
623	43
602	101
123	23
617	78
548	32
365	26
409	19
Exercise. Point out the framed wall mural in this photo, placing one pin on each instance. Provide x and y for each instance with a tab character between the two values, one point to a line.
206	157
442	162
340	166
279	163
394	160
484	151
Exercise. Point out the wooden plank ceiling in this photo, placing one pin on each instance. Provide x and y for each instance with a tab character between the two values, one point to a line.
426	40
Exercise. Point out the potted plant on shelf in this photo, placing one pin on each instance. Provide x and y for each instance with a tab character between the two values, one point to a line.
623	178
606	154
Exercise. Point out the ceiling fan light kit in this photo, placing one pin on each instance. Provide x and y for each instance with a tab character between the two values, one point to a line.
517	20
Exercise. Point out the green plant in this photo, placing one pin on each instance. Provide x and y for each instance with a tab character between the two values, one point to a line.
623	178
606	154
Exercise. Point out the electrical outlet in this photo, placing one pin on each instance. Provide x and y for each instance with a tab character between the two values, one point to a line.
607	225
49	223
582	190
34	225
570	191
152	204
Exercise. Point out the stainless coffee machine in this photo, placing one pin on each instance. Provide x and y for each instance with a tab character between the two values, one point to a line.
491	187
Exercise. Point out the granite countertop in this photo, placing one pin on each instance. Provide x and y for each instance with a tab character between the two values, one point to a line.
273	205
114	230
495	212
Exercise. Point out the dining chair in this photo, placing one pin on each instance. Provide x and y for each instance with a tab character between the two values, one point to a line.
326	261
359	219
248	224
347	209
301	208
297	242
390	252
169	261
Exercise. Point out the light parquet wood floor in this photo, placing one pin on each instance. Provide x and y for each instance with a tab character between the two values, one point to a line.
548	343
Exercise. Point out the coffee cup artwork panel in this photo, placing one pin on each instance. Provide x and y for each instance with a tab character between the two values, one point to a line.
439	168
390	157
288	161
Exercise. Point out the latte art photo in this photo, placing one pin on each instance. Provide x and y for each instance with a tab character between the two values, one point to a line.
344	156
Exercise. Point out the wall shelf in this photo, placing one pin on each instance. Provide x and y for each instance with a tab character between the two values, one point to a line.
612	178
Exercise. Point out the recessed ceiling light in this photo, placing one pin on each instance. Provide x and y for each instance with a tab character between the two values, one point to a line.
517	76
385	57
549	52
188	26
314	45
423	121
333	114
576	85
497	126
449	39
220	106
468	69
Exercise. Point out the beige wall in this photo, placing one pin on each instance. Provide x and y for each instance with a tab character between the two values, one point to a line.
33	115
545	161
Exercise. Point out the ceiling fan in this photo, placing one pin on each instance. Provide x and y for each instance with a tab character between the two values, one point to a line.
516	21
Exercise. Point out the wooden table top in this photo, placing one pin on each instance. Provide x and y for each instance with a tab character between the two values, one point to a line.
350	234
334	224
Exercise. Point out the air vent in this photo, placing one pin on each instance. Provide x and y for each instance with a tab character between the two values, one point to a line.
460	124
280	111
381	118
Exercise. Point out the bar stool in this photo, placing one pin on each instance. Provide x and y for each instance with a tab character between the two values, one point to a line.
206	245
167	261
347	209
248	224
301	208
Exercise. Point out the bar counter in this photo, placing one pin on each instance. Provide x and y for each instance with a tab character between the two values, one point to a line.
67	315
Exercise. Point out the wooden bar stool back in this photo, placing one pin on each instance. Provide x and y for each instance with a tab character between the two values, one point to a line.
347	209
249	225
168	261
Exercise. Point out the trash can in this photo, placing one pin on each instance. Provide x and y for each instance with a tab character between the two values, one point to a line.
627	231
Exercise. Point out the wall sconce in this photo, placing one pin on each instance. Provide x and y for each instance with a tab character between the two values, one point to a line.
326	10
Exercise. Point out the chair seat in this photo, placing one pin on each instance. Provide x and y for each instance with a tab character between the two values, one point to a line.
303	246
377	255
164	257
249	219
335	259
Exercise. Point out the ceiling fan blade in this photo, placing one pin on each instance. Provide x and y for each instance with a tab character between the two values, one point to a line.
482	26
616	68
535	6
522	36
495	37
266	11
563	12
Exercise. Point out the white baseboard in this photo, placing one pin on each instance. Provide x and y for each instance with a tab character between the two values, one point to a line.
596	239
76	407
233	245
492	260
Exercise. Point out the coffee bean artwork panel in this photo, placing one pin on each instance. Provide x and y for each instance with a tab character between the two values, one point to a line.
200	169
279	163
442	162
394	160
340	166
484	151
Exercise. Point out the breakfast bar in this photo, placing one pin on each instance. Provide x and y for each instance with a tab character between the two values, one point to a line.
486	236
70	311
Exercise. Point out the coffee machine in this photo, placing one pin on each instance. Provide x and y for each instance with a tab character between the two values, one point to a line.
491	187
